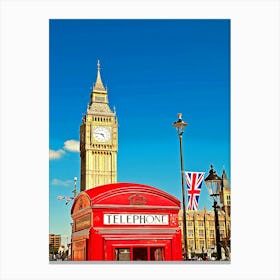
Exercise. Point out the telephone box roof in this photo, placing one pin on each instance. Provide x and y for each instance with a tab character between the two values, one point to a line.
128	194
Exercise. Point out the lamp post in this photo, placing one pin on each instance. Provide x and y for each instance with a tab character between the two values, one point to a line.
180	125
213	183
75	187
69	198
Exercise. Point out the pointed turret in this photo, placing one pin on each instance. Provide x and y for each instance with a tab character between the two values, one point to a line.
99	103
225	182
98	84
224	175
225	193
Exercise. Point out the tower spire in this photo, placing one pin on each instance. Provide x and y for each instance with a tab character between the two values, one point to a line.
98	84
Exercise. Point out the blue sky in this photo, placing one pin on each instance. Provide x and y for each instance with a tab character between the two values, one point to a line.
153	69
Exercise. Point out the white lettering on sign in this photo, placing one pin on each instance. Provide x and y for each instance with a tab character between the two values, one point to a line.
135	219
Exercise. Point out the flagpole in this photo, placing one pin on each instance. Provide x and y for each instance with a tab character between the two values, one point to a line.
180	124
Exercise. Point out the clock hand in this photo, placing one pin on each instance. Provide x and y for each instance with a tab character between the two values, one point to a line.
100	133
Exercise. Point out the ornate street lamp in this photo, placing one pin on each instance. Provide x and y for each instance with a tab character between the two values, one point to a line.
213	184
180	125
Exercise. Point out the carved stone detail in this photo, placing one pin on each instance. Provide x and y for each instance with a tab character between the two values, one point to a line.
97	108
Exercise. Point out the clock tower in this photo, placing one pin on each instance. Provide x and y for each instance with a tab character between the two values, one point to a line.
98	139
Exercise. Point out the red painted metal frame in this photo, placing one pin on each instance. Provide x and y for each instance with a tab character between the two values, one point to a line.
124	198
111	245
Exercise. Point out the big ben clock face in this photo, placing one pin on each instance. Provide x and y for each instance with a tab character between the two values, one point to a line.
101	134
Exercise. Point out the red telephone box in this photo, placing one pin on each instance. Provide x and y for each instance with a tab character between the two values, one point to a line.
125	222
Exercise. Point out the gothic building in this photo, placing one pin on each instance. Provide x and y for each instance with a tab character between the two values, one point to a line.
98	139
200	226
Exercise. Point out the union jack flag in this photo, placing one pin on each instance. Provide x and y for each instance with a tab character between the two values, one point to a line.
194	183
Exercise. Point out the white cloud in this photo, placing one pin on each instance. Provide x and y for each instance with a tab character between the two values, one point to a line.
72	146
56	154
69	145
66	183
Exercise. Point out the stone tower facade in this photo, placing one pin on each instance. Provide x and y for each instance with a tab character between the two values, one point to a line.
225	195
98	139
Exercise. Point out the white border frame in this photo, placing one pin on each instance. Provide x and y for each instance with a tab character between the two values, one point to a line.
254	143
